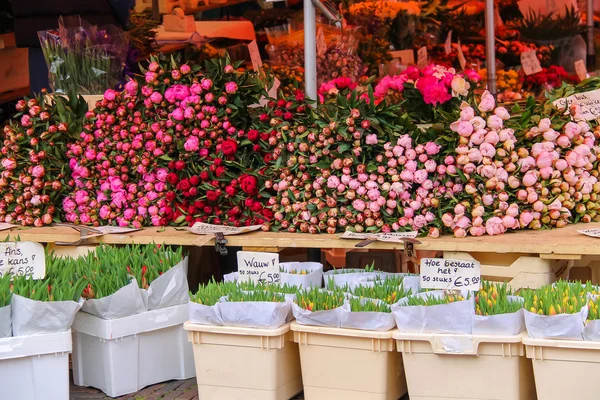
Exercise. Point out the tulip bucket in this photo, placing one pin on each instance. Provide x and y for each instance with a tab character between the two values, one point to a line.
235	363
124	355
451	366
349	364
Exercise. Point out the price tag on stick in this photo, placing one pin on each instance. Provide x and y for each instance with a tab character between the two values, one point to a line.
529	61
255	55
422	57
447	274
581	70
258	267
321	43
22	259
448	44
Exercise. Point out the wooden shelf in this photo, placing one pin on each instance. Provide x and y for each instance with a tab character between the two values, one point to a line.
5	97
565	243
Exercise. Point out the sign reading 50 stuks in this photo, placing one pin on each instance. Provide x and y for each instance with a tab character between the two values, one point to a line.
443	273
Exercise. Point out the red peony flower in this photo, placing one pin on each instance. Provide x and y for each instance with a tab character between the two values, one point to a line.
249	184
179	165
184	184
170	196
172	178
204	175
229	147
211	195
230	190
253	135
195	180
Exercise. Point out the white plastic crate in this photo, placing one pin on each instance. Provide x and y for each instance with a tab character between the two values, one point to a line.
35	367
124	355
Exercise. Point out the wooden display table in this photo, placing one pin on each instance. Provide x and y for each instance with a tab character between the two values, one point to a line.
525	259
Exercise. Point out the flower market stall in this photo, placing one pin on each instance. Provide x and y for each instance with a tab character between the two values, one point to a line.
463	137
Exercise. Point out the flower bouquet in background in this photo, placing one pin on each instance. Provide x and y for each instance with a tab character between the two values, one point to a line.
83	58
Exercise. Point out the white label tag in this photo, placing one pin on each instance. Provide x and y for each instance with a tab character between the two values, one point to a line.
109	230
321	44
529	61
591	232
255	55
22	259
4	226
461	57
383	237
258	267
588	103
422	57
442	273
200	228
448	44
581	69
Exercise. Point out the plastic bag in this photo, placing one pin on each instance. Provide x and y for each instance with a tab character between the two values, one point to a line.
330	318
313	279
454	317
83	58
32	317
205	315
560	326
5	321
124	302
169	289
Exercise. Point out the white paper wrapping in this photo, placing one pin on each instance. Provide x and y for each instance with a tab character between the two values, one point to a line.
312	279
170	289
560	326
502	324
205	315
124	302
255	314
591	331
350	279
32	317
367	320
330	318
232	277
454	317
5	321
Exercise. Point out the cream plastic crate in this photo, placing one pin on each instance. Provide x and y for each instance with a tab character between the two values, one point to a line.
124	355
349	364
35	367
450	367
565	369
235	363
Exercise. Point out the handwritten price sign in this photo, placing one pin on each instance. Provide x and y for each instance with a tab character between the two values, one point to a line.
443	273
530	62
258	267
22	259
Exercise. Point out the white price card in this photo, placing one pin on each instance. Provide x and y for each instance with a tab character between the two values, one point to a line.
258	267
461	56
4	226
448	43
321	43
422	57
447	274
530	62
255	55
587	102
200	228
581	69
383	237
22	259
591	232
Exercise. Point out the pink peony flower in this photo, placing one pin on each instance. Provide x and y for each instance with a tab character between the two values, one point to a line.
371	139
231	87
110	94
487	102
494	226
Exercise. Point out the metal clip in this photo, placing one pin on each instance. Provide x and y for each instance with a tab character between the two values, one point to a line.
409	251
85	233
220	243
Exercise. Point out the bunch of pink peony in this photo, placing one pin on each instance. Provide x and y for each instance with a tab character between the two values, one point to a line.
545	177
33	159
